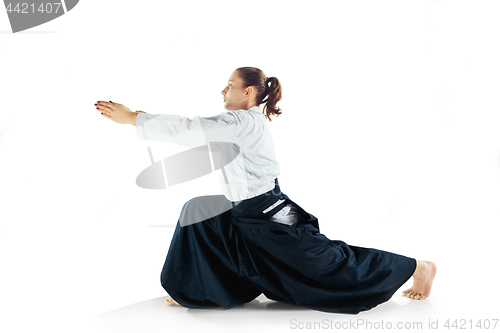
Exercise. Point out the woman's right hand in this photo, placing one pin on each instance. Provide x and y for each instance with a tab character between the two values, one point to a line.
117	112
141	111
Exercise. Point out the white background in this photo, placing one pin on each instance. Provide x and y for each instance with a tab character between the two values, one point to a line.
389	135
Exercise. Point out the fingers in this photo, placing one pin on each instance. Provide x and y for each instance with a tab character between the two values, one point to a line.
104	104
104	107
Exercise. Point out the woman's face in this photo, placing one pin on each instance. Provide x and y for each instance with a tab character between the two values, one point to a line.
235	96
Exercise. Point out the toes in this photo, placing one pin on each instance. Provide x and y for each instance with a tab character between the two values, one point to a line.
413	294
171	301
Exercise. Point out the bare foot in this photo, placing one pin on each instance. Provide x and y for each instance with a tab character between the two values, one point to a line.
171	301
422	280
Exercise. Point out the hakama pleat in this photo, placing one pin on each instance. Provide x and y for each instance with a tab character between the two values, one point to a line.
231	258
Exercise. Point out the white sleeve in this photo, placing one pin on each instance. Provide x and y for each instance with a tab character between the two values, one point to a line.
189	132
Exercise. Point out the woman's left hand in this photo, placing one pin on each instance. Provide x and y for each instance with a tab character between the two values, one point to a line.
119	113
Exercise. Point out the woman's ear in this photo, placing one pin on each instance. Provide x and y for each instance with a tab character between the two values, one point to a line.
249	91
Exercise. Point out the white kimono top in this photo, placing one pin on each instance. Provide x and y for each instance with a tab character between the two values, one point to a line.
251	173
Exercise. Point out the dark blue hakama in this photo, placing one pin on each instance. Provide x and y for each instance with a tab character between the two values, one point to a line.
231	258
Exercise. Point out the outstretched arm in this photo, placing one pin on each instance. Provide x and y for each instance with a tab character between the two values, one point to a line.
189	132
119	113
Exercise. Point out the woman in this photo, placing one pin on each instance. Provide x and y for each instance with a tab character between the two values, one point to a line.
227	250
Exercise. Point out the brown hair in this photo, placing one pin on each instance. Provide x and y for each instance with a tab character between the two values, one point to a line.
270	95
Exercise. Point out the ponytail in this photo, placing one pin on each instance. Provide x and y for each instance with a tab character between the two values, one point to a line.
272	98
268	89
